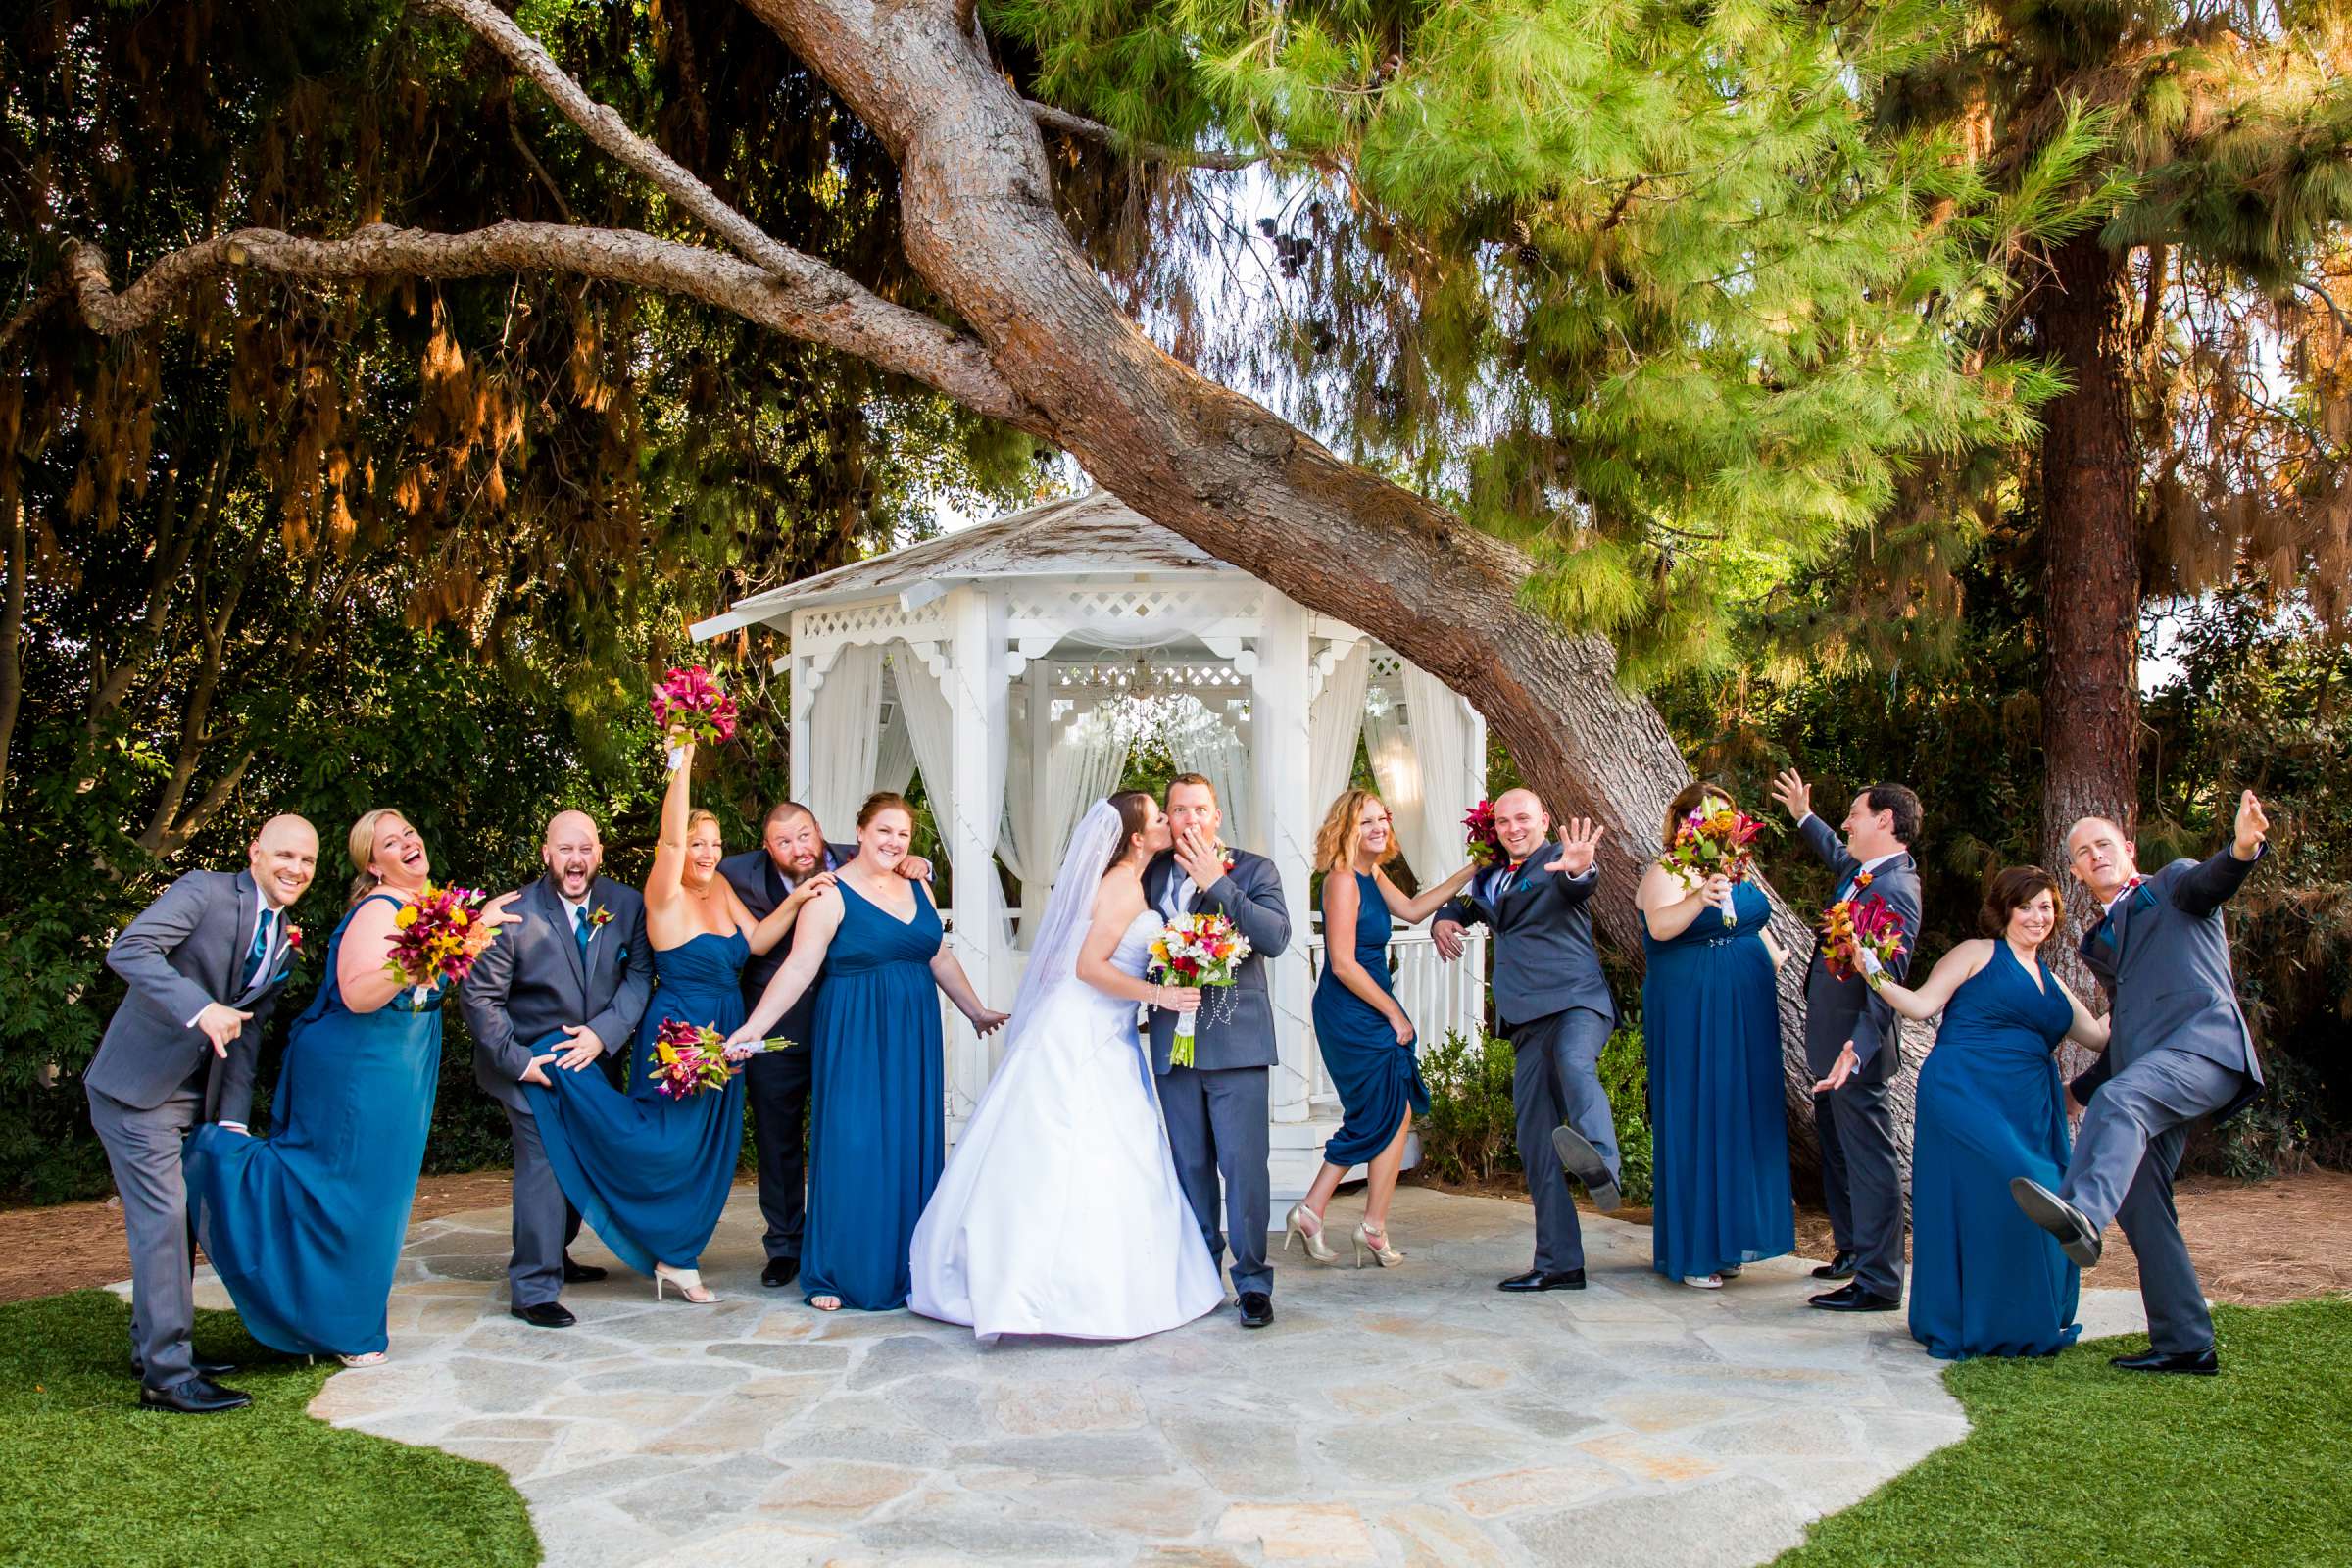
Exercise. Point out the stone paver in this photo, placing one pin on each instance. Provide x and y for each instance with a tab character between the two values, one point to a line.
1402	1417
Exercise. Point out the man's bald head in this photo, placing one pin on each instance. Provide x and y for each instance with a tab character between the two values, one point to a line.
283	857
1521	822
2101	857
572	853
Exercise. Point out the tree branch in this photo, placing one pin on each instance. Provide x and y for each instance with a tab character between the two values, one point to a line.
1063	121
817	303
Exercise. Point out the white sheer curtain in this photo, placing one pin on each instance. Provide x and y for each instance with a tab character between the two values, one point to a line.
1441	725
844	728
1020	770
1333	720
894	752
930	727
1083	764
1397	766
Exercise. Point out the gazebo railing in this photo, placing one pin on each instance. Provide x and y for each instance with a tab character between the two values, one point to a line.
1439	996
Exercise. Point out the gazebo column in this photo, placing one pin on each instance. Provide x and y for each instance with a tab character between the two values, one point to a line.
796	724
976	697
1278	719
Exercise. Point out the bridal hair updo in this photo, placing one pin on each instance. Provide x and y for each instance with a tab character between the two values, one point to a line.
1135	817
883	800
362	848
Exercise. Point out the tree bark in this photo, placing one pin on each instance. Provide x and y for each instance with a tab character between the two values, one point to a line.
12	640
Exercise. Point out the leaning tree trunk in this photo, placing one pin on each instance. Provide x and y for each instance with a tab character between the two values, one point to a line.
2090	564
1217	469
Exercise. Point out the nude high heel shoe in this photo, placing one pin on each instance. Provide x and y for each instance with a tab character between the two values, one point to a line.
1294	1228
1376	1241
689	1281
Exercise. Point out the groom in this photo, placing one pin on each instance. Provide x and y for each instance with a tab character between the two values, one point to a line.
206	963
1555	1007
1853	1042
2178	1049
1216	1109
575	961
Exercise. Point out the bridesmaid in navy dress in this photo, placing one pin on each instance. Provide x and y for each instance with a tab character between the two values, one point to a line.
305	1226
1984	1278
1711	1029
878	1129
652	1174
1366	1040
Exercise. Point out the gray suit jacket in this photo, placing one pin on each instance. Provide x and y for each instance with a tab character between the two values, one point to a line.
1837	1011
187	949
1242	1033
531	982
1545	960
2163	959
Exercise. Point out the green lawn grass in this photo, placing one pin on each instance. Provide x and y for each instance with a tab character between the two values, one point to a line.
88	1479
2070	1461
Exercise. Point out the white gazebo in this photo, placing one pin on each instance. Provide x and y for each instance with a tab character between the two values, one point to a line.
1012	664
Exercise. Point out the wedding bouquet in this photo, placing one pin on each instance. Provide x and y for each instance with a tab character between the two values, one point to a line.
1713	843
437	938
1486	845
689	701
689	1059
1196	950
1860	935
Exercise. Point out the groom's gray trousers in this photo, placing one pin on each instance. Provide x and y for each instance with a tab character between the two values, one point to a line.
2122	1170
143	1149
1217	1130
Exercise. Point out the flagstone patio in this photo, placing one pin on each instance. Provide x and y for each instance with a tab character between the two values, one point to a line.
1406	1416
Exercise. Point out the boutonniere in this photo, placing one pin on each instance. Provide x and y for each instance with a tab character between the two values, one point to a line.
1225	856
293	938
600	918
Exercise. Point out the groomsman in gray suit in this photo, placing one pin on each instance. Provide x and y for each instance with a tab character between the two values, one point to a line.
1855	1044
1554	1005
1216	1109
575	962
206	965
2178	1048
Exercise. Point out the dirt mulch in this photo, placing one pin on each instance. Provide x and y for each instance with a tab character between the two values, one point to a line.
72	1246
2254	1243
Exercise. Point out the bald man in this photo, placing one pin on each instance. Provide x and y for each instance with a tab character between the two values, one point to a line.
564	987
1555	1006
206	965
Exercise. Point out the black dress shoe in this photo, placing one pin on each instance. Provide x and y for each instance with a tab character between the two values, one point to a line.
544	1315
2196	1363
193	1396
580	1273
1536	1279
1258	1309
1855	1299
1840	1267
1580	1159
780	1272
2077	1236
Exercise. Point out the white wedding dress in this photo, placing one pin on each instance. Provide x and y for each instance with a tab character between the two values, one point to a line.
1060	1212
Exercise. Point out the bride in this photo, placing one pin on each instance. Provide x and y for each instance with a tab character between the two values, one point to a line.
1060	1210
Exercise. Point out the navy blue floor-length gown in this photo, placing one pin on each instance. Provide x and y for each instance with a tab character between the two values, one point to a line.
305	1226
1984	1278
1711	1026
652	1174
1376	1078
878	1125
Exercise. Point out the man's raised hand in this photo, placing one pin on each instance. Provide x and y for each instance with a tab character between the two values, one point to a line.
1579	841
2253	826
1789	787
1198	854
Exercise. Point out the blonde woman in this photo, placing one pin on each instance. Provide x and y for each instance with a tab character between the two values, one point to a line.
305	1227
1366	1040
